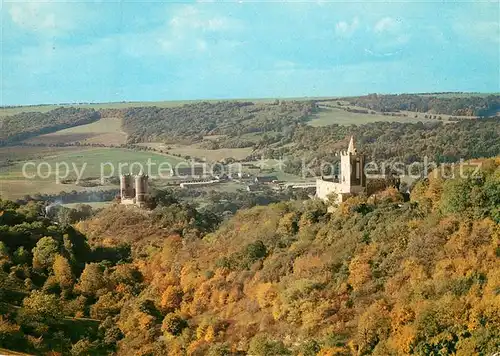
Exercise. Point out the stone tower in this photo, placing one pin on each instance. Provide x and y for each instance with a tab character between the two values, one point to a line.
352	174
352	180
131	196
141	189
127	192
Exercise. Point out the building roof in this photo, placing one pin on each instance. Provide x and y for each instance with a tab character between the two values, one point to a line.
266	179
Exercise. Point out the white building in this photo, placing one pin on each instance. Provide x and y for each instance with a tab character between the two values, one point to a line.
351	181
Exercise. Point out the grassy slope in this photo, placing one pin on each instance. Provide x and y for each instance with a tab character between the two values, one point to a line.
94	160
13	185
194	150
329	116
24	153
105	131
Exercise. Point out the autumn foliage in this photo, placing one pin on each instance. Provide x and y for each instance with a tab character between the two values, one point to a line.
378	276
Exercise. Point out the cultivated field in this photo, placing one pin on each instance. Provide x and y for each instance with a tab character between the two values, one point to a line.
89	162
94	161
24	153
17	188
201	153
329	116
106	131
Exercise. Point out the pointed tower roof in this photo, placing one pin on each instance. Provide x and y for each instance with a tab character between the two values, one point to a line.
351	148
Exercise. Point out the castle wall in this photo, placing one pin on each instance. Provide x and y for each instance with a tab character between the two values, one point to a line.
325	188
127	201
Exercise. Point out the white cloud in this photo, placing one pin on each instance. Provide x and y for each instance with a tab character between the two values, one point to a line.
190	28
43	17
487	31
285	65
387	24
187	32
345	29
191	18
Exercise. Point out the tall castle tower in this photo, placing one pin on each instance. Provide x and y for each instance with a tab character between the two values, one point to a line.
141	189
127	191
352	178
352	169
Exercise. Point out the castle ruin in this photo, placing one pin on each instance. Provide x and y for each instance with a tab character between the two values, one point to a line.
134	195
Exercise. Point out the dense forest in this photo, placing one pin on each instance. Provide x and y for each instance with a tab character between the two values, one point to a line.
22	126
391	141
457	106
193	121
378	276
268	126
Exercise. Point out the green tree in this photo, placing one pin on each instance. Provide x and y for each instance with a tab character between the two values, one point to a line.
91	279
4	251
21	256
173	324
261	345
41	307
44	253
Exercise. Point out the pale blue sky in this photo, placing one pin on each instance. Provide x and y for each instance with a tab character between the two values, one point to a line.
56	52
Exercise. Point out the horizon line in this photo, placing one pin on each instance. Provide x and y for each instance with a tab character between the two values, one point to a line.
187	101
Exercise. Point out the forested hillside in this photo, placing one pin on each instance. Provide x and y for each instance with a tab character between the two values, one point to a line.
458	106
393	141
281	129
193	121
22	126
378	276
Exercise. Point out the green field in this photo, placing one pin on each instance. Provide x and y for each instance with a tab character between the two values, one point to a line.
106	131
194	150
329	116
108	161
89	162
22	153
18	188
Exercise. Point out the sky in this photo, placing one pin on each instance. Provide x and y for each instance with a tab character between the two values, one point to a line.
110	51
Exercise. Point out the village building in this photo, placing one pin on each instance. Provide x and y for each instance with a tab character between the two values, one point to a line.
265	179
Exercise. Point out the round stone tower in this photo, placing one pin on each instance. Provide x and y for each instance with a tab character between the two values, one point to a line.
126	189
141	189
